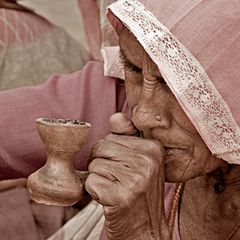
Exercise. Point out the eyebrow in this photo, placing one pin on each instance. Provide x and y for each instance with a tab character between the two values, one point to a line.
127	63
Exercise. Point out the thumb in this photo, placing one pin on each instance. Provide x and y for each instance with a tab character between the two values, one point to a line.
120	124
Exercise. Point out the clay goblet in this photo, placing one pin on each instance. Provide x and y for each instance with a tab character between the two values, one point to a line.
57	182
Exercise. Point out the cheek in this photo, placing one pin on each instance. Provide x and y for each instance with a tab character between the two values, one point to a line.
133	82
183	169
189	166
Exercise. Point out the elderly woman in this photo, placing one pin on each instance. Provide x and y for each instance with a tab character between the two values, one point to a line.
181	67
182	85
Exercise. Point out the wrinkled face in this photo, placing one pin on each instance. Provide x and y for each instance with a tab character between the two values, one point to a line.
159	116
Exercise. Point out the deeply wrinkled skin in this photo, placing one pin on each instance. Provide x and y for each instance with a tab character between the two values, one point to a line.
127	177
128	173
148	95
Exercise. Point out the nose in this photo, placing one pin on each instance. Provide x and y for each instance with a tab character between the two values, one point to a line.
145	116
153	107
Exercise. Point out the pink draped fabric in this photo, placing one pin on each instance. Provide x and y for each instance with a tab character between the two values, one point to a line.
86	95
26	39
91	18
98	30
21	28
210	30
13	213
22	218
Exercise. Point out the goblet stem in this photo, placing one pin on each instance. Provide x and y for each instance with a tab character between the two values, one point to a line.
57	182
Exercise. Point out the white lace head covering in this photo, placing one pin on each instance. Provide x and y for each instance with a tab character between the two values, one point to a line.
196	46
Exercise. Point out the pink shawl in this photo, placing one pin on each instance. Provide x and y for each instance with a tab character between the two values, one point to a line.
196	46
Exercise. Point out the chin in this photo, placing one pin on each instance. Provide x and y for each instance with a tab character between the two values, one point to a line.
182	165
176	173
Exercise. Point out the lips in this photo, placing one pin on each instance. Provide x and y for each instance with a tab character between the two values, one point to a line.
172	151
177	153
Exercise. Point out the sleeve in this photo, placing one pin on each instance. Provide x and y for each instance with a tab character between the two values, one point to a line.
85	95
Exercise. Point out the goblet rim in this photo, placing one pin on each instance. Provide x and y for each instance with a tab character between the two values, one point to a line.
64	122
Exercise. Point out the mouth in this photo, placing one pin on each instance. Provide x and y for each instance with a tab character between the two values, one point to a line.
173	153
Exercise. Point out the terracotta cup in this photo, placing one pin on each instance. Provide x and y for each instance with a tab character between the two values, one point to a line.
57	182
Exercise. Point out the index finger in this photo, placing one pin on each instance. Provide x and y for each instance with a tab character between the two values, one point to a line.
137	143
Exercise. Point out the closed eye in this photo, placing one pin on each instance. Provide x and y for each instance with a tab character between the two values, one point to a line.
132	68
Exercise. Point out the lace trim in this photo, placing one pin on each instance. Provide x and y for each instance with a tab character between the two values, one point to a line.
186	78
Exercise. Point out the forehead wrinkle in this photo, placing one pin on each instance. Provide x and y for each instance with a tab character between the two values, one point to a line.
131	49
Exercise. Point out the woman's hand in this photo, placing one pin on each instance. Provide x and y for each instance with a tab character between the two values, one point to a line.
127	178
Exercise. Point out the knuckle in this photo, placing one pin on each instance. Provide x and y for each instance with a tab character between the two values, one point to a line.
108	211
92	165
146	159
90	186
99	143
97	147
126	200
153	145
149	164
151	169
110	136
133	192
136	181
136	184
89	183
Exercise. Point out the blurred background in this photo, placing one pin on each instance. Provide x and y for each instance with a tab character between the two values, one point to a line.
39	38
42	37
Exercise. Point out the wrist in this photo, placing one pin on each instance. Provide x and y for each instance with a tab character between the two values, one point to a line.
135	236
147	235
